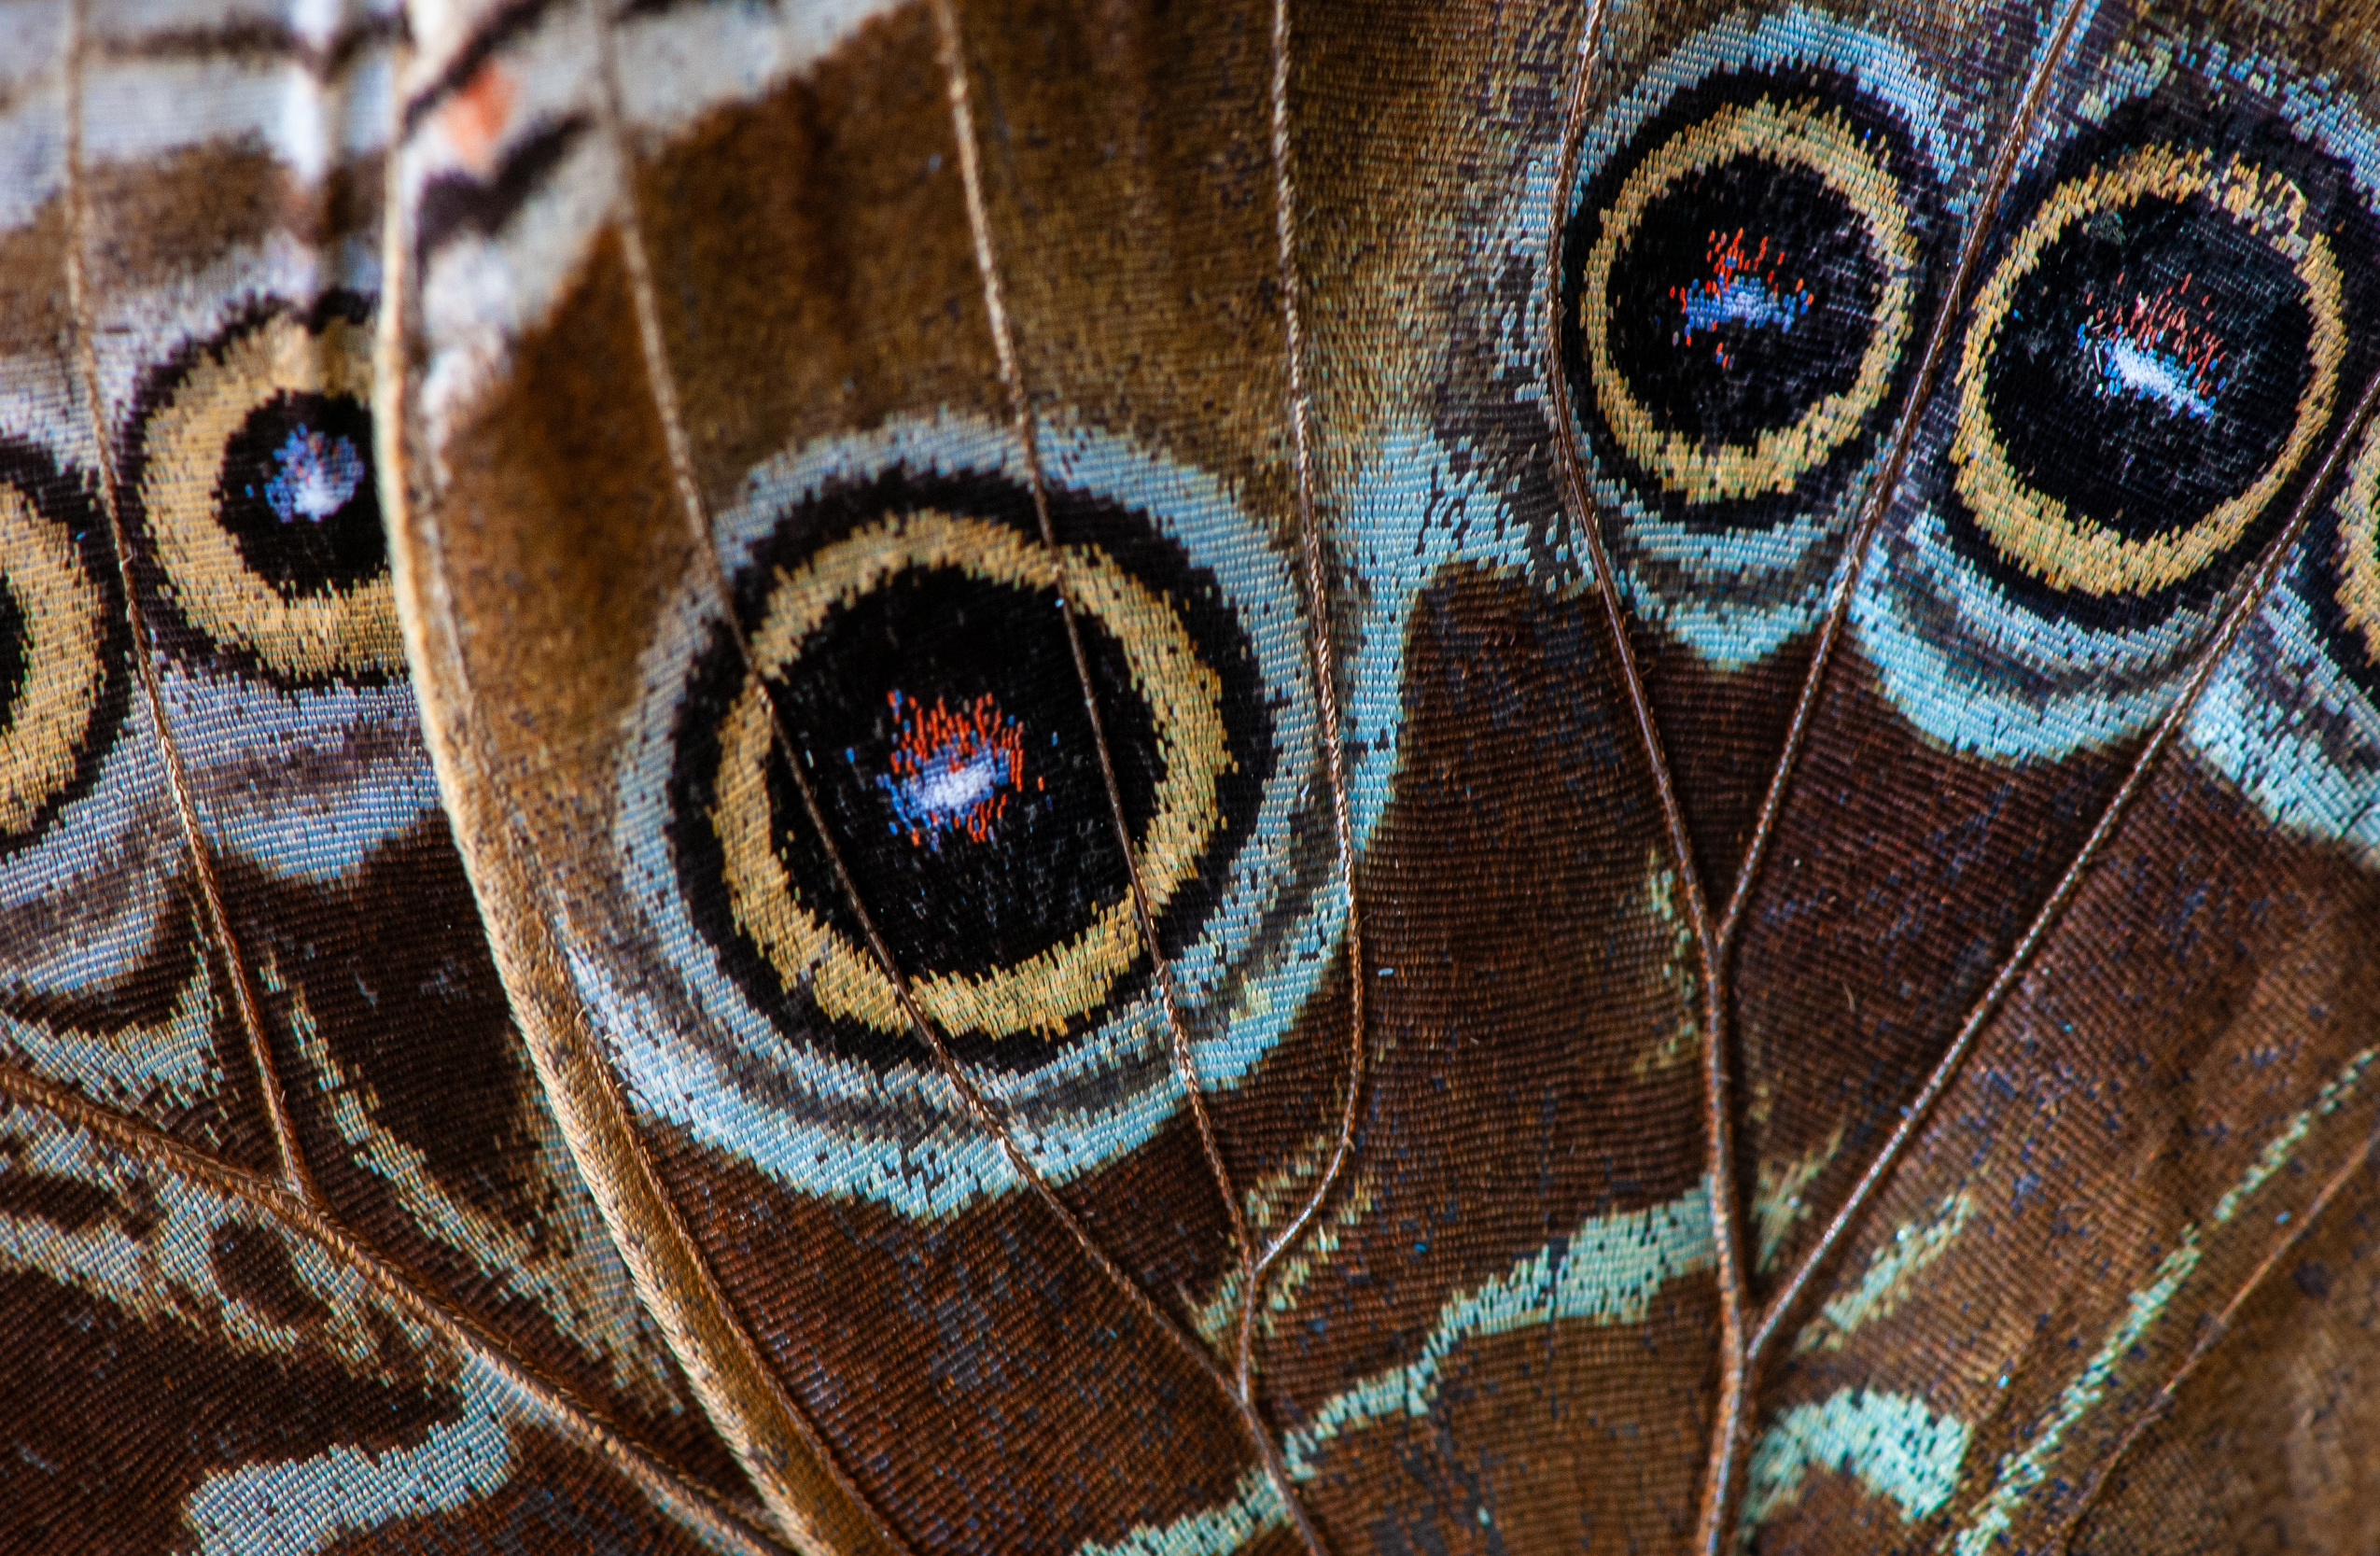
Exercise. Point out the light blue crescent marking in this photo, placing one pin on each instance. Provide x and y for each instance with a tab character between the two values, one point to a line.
1746	591
303	784
2290	730
1407	516
1608	1271
298	1506
1979	672
2022	1470
1894	1445
80	906
827	1126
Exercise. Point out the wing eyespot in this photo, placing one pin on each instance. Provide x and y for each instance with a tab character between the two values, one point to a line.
2153	361
259	558
257	504
920	661
898	616
2171	315
1746	267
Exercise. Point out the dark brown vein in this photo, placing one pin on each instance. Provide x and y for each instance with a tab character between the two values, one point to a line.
2261	583
1718	1099
288	1154
2213	1334
1236	1386
664	389
1739	1381
1012	375
1315	578
1885	484
575	1417
390	371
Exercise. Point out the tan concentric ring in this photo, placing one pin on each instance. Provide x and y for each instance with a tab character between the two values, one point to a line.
2358	543
2037	531
345	630
1042	994
65	671
1806	136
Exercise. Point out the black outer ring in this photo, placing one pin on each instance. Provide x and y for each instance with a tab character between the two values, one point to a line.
71	500
173	631
2186	114
718	678
1921	196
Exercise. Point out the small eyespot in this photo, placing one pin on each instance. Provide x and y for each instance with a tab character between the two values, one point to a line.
258	505
1745	270
2174	305
895	623
2153	360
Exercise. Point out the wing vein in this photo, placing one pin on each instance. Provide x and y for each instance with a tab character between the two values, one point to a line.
662	384
581	1420
288	1154
1946	1069
1236	1386
1314	578
1718	1106
591	1076
2213	1334
1741	1377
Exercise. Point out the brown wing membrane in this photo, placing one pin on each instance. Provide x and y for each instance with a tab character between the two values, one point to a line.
2136	1139
998	1228
2067	540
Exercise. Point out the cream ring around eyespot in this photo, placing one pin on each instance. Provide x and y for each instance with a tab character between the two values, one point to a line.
2358	543
1044	992
352	629
63	614
1801	136
2037	531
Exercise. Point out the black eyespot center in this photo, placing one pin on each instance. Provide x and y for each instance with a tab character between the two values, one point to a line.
958	797
1743	284
2151	366
1745	295
297	495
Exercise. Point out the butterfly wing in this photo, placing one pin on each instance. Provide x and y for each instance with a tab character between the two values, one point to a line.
798	416
297	1247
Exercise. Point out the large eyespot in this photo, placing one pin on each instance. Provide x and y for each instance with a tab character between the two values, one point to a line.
62	633
2175	301
1744	274
263	573
900	630
921	663
2154	359
257	502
